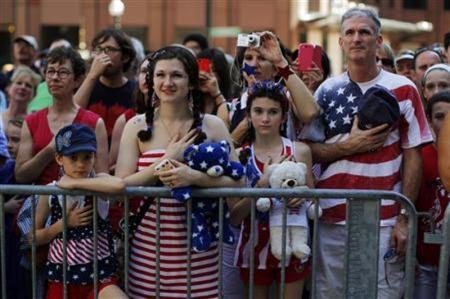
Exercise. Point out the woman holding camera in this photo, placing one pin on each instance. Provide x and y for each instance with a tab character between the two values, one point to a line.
267	62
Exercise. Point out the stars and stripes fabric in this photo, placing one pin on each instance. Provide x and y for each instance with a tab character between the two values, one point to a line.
381	169
80	248
262	250
173	252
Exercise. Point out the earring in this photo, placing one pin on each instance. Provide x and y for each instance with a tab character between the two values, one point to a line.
190	99
155	100
61	171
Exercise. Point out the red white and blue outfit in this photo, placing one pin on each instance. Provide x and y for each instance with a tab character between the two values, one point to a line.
433	199
173	252
378	170
80	245
263	257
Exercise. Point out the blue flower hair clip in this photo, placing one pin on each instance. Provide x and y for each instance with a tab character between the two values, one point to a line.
267	85
63	141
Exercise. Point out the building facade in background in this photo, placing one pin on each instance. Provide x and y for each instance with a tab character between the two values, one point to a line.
160	22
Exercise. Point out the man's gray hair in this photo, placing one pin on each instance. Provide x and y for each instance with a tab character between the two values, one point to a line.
363	12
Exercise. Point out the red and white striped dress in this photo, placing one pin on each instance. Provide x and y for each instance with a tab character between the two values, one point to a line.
173	252
264	258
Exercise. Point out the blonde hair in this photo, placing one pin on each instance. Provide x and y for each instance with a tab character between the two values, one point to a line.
22	70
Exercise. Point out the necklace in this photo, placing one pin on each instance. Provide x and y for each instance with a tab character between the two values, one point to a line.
181	128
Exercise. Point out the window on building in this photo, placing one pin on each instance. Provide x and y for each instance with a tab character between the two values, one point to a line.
5	47
447	4
138	32
51	33
180	33
415	4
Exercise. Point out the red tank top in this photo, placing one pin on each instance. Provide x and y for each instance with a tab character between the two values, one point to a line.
42	135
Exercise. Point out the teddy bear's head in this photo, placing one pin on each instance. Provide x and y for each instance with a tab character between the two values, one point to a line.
287	174
212	157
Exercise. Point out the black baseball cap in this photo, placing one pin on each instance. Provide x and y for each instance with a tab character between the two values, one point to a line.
377	106
75	138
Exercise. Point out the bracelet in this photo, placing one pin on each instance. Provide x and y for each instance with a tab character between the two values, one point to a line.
285	72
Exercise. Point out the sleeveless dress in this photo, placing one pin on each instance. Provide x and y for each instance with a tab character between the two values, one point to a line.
264	258
173	252
80	246
42	135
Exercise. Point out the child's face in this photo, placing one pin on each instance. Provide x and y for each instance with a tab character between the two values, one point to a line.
13	135
266	116
78	165
438	113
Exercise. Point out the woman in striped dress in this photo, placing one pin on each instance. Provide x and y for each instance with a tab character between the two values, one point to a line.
171	123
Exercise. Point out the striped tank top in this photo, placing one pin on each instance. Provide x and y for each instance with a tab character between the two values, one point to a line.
173	252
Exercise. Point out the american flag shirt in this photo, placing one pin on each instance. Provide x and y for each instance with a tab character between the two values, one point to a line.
80	248
381	169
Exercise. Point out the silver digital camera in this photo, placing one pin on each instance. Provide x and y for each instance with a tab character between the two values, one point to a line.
248	40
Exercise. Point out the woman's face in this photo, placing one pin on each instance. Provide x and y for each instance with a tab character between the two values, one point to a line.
437	80
170	80
384	61
143	86
266	116
22	89
264	70
60	79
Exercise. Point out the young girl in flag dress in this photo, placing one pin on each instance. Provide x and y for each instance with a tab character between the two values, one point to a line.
75	154
266	110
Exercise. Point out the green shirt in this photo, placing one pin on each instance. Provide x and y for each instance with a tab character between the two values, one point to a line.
43	99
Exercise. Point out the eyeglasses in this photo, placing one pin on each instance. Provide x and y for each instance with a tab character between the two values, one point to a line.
386	61
106	50
62	74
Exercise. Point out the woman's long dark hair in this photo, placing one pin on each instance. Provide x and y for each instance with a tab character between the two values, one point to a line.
190	67
263	89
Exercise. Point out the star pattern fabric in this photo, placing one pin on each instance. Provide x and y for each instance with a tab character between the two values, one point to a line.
340	105
213	159
78	271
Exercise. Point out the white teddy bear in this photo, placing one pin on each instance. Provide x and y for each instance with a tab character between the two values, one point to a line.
287	174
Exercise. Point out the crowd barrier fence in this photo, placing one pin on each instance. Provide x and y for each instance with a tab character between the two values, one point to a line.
363	217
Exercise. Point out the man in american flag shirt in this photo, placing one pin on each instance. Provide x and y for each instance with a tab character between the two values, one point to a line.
379	158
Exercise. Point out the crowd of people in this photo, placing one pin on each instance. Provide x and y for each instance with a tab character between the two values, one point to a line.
381	125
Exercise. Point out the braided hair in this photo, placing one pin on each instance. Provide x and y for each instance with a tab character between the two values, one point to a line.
262	89
190	67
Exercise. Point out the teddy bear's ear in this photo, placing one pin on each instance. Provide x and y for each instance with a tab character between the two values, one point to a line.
302	166
226	145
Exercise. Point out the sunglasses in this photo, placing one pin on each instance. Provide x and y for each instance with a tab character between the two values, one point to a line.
386	61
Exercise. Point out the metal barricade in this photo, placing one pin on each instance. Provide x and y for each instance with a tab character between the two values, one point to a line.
444	257
363	217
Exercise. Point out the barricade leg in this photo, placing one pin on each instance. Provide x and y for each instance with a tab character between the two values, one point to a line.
444	257
361	262
2	244
64	216
95	228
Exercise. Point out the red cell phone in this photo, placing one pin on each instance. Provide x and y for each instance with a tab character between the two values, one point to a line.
307	55
204	64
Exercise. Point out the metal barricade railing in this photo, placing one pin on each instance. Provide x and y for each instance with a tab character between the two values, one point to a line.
363	217
444	257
